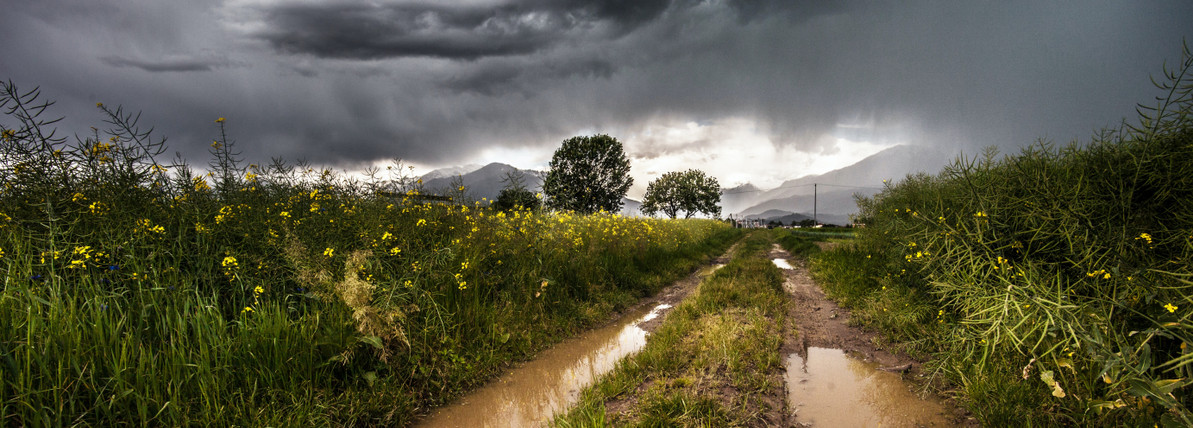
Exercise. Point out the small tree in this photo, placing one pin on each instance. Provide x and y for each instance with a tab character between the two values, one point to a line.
515	195
588	174
689	191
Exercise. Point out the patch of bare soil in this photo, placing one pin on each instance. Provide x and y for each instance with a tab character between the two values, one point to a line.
816	321
679	290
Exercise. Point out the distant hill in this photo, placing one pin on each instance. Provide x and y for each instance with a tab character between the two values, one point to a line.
833	197
788	217
483	183
449	172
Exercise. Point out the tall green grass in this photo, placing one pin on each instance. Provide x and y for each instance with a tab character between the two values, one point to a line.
1053	285
137	292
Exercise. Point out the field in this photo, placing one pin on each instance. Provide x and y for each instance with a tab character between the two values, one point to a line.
1050	287
142	293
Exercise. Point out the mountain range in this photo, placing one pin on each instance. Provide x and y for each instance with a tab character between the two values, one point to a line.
828	197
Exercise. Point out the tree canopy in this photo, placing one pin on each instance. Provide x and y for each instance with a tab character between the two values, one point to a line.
689	191
588	174
515	195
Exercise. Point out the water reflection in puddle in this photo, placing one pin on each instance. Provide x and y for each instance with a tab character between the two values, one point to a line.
531	394
833	389
782	263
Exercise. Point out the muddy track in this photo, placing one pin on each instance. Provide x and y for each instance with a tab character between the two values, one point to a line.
528	393
816	321
678	291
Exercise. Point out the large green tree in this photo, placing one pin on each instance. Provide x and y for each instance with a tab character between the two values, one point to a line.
588	174
690	191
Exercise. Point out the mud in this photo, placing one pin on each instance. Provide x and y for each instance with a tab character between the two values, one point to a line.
532	393
819	324
825	387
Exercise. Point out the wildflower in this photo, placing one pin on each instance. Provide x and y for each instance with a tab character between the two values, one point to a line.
78	197
246	309
386	236
1170	307
285	214
230	262
220	120
1146	237
215	144
329	252
258	290
395	251
1	253
98	207
421	222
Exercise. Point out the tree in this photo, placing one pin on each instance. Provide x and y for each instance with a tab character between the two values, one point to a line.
588	174
689	191
515	195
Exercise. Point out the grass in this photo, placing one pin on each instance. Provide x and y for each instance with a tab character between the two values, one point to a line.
711	361
142	293
1051	286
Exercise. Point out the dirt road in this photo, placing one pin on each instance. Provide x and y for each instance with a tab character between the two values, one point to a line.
819	324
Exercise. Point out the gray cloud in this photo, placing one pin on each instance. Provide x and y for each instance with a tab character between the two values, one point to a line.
176	64
432	82
357	30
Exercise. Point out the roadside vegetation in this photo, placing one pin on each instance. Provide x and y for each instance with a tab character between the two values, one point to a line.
142	293
1049	287
715	360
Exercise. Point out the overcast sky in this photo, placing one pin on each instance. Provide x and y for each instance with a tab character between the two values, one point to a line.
757	91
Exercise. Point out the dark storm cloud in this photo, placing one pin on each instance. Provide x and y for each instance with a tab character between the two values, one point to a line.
357	30
348	82
179	64
501	77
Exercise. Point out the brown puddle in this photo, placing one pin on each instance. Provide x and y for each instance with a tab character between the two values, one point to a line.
531	394
832	389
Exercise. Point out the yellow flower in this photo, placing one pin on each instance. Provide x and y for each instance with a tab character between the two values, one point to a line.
395	251
329	252
421	222
229	261
246	309
1145	237
258	290
1170	307
220	120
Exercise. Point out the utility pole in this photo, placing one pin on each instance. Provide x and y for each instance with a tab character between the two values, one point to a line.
814	195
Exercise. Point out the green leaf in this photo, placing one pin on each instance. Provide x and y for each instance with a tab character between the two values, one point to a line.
374	341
